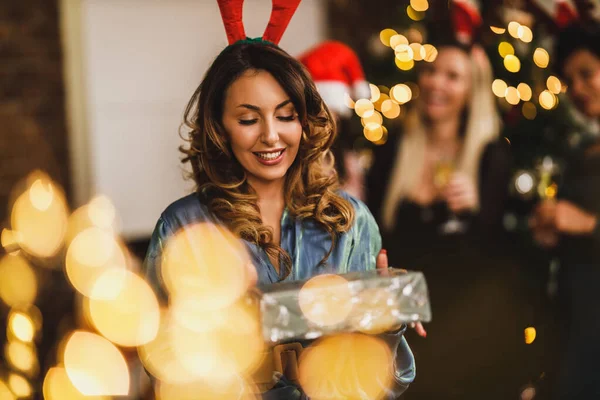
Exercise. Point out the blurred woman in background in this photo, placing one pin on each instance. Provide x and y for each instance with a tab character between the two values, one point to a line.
571	223
438	190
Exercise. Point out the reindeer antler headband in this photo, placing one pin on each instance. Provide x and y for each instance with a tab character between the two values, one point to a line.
281	14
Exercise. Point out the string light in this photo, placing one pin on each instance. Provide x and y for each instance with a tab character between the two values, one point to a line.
404	53
390	109
18	282
512	95
497	30
499	88
513	29
530	334
525	92
553	84
364	108
401	93
404	66
431	52
385	36
512	63
505	48
413	14
547	100
419	5
418	50
398	40
525	34
373	132
375	93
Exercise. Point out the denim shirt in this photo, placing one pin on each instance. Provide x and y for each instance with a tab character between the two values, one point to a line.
307	243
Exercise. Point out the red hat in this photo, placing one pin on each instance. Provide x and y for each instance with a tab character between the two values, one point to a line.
337	71
281	14
562	12
466	19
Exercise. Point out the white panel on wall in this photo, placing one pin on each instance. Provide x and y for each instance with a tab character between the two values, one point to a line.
144	59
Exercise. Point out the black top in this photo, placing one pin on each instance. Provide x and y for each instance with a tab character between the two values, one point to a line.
417	229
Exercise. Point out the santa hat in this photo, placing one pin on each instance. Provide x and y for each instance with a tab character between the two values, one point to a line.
337	71
281	14
466	19
562	12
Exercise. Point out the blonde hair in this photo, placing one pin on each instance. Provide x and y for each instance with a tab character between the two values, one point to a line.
482	127
311	190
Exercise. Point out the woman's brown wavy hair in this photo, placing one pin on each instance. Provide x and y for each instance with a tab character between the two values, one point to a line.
310	186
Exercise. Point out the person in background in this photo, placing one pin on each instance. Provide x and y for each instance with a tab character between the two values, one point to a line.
438	190
569	223
338	75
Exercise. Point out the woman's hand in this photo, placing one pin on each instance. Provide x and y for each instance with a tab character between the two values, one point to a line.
553	217
383	264
460	193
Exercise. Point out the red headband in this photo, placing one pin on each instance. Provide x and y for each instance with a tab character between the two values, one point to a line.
281	14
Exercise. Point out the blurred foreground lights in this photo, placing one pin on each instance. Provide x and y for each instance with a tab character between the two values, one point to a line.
524	183
235	389
541	58
548	100
385	36
401	93
347	366
208	263
390	109
375	118
404	53
233	347
497	30
131	318
91	253
95	366
40	216
19	386
419	52
5	393
10	241
404	66
348	101
530	334
102	212
431	52
513	29
21	326
58	386
22	357
398	40
375	92
512	63
325	300
18	282
525	34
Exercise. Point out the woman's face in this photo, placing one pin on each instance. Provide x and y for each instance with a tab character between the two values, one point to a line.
582	73
445	85
262	126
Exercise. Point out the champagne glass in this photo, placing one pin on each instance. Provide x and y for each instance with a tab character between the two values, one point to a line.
443	170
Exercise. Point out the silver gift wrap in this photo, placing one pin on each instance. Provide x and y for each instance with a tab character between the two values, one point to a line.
371	302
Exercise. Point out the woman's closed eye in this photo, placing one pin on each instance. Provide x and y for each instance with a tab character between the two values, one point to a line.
248	121
287	118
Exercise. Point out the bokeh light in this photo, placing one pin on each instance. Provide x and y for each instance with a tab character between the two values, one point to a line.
404	53
10	240
547	100
404	66
375	92
373	131
505	48
95	366
513	29
364	108
419	5
398	40
418	50
5	393
499	88
385	36
21	326
22	357
414	35
529	110
347	366
525	92
541	58
401	93
325	300
102	212
206	262
40	216
90	254
525	34
131	318
497	30
18	282
390	109
530	334
414	14
234	389
512	95
431	52
380	101
553	84
19	386
512	63
524	183
58	386
348	101
375	118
